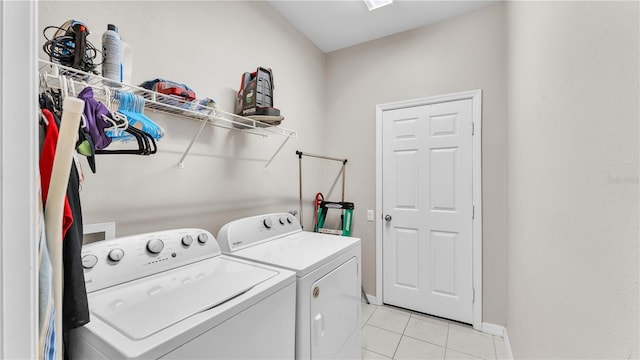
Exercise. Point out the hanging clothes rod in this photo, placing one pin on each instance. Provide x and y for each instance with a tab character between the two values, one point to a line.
300	155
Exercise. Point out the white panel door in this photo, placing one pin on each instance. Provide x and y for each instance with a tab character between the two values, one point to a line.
428	208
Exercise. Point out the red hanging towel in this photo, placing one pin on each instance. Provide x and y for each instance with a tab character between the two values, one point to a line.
46	167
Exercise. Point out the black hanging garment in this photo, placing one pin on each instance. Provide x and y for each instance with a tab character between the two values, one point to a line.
75	308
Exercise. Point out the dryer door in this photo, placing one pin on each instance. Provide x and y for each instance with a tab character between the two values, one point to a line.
335	312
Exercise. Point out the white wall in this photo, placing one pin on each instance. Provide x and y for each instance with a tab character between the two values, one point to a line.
207	45
18	181
464	53
573	179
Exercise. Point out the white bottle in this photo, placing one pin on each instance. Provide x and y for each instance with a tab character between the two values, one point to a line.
112	55
127	62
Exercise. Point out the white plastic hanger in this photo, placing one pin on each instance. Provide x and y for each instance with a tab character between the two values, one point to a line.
117	116
63	86
44	118
71	86
116	128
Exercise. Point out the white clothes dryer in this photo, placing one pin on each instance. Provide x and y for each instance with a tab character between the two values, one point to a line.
173	295
328	279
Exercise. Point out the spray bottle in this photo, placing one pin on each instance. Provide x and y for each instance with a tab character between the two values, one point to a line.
112	55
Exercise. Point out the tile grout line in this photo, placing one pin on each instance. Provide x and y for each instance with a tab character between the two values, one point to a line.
368	317
439	323
383	355
467	353
422	340
367	323
446	343
386	329
391	331
401	336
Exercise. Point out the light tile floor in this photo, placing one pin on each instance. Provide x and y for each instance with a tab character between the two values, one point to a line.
393	333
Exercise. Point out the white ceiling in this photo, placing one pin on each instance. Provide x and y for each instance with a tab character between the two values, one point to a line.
334	25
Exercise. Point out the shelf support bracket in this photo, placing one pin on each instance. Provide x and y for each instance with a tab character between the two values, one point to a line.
181	163
277	151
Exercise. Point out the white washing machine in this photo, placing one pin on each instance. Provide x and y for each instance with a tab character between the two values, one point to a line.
328	279
173	295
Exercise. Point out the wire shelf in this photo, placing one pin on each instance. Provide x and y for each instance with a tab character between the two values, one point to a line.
59	76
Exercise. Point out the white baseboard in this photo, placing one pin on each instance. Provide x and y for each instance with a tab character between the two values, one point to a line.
499	330
493	329
373	300
507	344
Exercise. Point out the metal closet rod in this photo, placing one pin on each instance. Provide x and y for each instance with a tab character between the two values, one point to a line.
301	154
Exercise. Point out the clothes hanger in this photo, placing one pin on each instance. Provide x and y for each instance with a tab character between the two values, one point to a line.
115	114
43	82
149	142
118	126
44	119
132	106
118	116
71	86
146	144
156	131
63	86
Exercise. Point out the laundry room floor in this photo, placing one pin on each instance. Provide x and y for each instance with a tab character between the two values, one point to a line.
393	333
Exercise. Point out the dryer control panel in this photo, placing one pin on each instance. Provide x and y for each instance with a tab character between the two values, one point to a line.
254	230
111	262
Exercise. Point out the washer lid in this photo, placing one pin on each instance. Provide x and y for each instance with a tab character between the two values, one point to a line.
143	307
301	252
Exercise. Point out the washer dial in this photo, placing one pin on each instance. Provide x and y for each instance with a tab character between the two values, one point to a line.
116	255
154	246
187	240
89	261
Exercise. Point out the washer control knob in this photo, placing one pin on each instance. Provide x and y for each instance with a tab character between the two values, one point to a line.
154	246
116	255
202	238
187	240
267	223
89	261
282	221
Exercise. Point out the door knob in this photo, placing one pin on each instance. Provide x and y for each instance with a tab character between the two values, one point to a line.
387	218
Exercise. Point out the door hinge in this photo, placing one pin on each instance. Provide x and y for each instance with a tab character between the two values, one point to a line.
473	300
473	212
473	128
